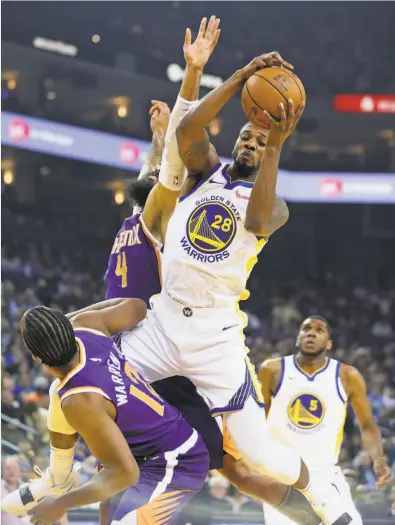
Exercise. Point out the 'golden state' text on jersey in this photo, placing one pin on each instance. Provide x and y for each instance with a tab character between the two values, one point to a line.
309	412
209	254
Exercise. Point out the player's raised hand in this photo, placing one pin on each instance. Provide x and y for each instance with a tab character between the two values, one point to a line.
383	472
266	60
160	115
197	53
283	128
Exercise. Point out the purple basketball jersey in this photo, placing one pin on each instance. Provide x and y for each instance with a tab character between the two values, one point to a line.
134	263
148	423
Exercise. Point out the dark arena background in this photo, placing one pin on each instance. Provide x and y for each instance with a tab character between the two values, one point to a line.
77	82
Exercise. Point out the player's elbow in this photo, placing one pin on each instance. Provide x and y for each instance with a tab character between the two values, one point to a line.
265	224
137	311
259	226
128	477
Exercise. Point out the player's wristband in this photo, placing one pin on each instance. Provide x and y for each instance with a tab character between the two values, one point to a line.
380	458
172	172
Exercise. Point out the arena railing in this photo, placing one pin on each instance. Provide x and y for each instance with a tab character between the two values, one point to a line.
18	424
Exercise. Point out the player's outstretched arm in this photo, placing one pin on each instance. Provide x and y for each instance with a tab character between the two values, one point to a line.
162	199
266	212
97	306
371	436
159	125
113	319
107	444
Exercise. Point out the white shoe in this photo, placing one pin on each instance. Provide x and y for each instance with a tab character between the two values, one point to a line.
327	504
21	500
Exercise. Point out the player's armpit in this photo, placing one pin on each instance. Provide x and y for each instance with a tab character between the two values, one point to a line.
93	418
113	319
268	375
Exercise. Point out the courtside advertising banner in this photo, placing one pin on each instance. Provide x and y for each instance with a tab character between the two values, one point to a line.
106	149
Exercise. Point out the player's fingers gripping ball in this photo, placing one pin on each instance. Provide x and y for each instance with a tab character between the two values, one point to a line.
266	89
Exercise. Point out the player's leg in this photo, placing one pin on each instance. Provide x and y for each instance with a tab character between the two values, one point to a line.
287	501
149	351
165	486
274	517
248	430
340	482
182	393
228	382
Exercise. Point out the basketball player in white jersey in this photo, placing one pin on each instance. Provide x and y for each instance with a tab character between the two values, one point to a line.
306	398
288	499
224	217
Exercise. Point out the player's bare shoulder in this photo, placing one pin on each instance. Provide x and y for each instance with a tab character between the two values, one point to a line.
269	376
351	379
270	371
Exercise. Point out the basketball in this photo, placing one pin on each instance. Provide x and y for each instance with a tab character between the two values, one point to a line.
266	89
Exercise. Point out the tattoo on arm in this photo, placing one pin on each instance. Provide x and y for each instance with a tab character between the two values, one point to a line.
154	157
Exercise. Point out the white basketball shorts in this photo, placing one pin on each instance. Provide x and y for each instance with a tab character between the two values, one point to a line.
204	344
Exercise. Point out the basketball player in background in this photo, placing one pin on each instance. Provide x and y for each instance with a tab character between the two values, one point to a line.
211	247
306	398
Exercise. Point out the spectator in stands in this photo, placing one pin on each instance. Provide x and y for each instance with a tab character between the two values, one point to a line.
11	408
218	494
242	503
10	480
364	463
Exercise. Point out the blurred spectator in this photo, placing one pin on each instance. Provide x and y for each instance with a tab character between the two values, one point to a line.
36	418
242	503
364	463
218	494
10	480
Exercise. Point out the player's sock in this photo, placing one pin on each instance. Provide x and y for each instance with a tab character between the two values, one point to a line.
296	507
61	464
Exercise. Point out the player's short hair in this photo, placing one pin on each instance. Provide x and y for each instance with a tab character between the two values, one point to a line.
249	124
49	336
137	190
325	321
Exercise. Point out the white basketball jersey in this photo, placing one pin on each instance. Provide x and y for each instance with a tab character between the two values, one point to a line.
309	412
208	253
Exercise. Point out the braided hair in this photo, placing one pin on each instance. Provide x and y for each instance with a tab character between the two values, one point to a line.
49	336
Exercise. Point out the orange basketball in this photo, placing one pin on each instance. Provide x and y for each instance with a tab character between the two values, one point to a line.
266	89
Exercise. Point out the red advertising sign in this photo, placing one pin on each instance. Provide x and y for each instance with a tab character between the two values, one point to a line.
365	103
